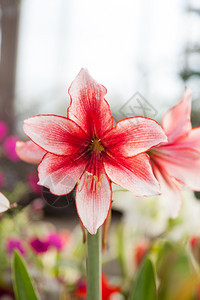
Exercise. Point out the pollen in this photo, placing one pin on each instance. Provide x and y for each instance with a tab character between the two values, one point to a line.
99	184
96	146
95	178
102	176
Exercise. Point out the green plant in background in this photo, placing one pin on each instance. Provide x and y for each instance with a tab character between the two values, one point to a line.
23	284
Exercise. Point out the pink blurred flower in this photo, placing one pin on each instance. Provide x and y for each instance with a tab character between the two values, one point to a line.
39	246
55	241
9	148
66	236
33	180
14	244
52	240
3	130
178	160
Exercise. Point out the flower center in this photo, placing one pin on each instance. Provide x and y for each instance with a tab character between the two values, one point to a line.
96	146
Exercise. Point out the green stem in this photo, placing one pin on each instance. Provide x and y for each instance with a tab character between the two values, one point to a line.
94	266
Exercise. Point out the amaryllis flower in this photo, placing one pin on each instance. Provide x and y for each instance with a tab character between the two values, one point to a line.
178	160
87	148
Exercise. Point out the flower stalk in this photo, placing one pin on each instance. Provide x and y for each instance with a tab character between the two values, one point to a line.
94	266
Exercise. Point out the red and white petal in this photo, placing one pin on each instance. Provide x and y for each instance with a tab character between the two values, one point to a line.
88	108
176	122
170	190
191	141
133	173
93	196
55	134
182	164
29	152
60	173
133	136
4	203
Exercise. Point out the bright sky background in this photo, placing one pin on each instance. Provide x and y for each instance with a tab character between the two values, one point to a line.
128	46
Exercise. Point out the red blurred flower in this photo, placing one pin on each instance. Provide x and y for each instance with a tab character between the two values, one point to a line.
198	292
86	148
195	240
140	252
107	289
178	160
195	247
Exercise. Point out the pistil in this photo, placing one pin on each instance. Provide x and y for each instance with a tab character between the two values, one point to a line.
96	146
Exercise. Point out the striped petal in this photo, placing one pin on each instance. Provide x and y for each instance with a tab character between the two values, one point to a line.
60	173
191	141
176	122
134	174
93	196
170	190
88	108
182	164
55	134
133	136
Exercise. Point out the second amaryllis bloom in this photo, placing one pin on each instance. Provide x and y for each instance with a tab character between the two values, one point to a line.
178	160
86	148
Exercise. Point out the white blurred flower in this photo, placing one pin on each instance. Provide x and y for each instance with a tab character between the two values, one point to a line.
188	221
149	216
146	215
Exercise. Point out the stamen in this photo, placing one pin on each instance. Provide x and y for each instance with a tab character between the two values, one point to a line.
101	176
95	178
99	184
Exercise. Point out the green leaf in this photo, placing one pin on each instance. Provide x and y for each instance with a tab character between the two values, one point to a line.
23	285
145	285
175	271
